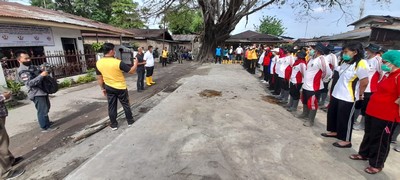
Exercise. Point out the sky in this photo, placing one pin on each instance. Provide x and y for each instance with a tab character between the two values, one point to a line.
323	21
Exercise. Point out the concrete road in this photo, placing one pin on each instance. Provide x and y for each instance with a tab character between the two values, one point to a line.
73	109
236	135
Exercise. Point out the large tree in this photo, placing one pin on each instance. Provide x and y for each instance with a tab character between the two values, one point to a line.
270	25
220	17
120	13
183	20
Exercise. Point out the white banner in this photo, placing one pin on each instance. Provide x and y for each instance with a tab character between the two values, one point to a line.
22	35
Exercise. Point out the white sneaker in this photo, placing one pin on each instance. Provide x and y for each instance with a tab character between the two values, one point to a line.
114	128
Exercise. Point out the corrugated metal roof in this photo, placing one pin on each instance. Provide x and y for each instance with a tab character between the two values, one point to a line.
350	35
390	27
184	37
16	10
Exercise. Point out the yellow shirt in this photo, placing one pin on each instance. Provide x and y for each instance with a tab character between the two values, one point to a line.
164	54
110	69
252	55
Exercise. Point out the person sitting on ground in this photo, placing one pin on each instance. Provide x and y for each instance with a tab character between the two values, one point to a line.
112	82
7	159
382	116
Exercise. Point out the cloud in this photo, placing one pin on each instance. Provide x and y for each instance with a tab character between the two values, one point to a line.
319	10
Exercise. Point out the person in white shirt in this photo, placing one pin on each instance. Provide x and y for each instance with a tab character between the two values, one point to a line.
148	57
239	54
317	72
333	62
231	55
286	72
374	76
272	80
296	80
350	87
279	73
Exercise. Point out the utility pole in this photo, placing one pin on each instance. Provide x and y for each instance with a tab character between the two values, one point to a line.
165	13
362	8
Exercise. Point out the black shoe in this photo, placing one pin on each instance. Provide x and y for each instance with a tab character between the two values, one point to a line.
336	144
139	90
327	135
15	174
17	160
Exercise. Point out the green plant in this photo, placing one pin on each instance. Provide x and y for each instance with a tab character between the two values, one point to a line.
89	77
15	88
65	83
97	46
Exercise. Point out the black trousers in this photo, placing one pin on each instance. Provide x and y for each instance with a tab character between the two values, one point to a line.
246	64
310	99
295	90
325	90
149	71
217	59
239	57
164	61
140	81
285	84
267	73
272	82
122	95
376	142
364	103
252	68
278	84
340	118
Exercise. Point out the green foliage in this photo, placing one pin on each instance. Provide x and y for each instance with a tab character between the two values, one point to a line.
124	14
14	86
270	25
97	46
89	77
65	83
183	20
49	4
121	13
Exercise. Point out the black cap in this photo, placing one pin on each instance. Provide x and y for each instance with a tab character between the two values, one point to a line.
373	48
383	50
330	47
301	54
321	48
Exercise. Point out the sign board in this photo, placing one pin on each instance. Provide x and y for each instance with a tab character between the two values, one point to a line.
22	35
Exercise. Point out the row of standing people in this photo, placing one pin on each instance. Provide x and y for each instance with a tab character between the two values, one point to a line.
369	85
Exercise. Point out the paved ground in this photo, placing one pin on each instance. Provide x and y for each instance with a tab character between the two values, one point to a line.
237	135
73	110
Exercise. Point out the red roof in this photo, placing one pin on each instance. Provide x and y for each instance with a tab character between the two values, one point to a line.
16	10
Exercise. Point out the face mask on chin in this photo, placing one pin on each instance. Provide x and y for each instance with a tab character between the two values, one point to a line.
27	63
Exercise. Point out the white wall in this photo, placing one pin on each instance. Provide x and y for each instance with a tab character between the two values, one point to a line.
59	33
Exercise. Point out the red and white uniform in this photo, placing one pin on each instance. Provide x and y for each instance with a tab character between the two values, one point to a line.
273	64
375	73
287	66
299	67
317	71
332	60
279	67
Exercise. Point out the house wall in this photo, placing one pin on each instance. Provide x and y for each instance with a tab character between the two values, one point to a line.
59	33
91	40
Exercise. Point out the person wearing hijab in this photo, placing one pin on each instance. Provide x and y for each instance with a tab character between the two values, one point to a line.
316	73
273	75
382	116
350	87
296	81
279	74
287	64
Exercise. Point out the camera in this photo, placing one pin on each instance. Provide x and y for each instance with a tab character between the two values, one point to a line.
47	67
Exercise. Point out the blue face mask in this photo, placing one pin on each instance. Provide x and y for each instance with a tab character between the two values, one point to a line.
312	52
386	68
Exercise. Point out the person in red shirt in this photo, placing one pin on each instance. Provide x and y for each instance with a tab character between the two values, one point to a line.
382	116
266	63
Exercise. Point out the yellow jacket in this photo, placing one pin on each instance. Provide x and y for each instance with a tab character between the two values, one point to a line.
252	55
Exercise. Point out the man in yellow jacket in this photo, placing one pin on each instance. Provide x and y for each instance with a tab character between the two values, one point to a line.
252	57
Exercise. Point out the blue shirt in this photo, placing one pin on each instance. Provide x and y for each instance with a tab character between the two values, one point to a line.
218	51
226	52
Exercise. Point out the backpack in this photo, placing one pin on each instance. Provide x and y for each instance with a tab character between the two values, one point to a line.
48	85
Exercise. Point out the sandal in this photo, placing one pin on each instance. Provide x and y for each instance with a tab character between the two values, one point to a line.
372	170
358	157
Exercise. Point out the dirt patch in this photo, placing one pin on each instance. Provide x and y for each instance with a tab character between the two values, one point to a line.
270	99
171	88
144	109
210	93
